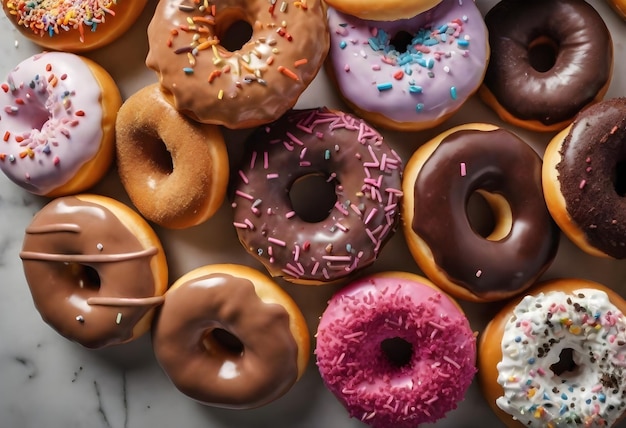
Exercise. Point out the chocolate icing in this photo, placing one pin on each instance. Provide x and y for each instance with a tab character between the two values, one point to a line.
209	373
496	162
587	175
367	177
583	60
68	235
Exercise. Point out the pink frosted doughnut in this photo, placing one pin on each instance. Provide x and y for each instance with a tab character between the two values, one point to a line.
395	350
57	123
409	74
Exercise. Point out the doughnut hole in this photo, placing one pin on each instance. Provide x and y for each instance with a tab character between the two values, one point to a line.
401	41
566	367
233	29
161	163
219	341
619	178
489	215
397	351
86	277
312	197
542	53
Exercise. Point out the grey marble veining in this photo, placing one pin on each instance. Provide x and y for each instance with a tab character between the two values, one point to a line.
48	382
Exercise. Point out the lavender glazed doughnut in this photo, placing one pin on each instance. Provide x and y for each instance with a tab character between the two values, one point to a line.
409	74
583	179
57	124
544	70
228	336
349	156
236	87
95	268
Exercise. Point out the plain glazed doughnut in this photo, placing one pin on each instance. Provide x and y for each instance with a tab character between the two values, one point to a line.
174	170
544	70
556	357
95	269
72	26
410	74
57	123
228	336
395	350
213	82
350	156
583	182
389	10
438	182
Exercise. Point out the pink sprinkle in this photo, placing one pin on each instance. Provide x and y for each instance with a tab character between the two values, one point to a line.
249	224
271	176
296	253
463	170
582	183
56	160
253	160
346	68
371	214
290	214
244	195
479	273
277	241
337	258
243	177
376	67
315	267
239	225
266	160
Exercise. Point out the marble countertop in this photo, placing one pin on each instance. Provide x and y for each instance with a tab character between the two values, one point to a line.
47	381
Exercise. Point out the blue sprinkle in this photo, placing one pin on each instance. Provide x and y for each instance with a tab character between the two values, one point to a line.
419	107
415	89
384	86
564	396
343	44
529	382
546	396
588	401
421	61
327	154
349	248
453	92
563	409
597	315
343	24
373	44
430	42
462	43
408	70
431	63
46	149
444	37
188	70
602	398
531	361
518	339
443	28
570	389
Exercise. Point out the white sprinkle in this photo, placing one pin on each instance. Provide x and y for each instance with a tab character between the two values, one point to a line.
119	318
99	246
479	273
80	318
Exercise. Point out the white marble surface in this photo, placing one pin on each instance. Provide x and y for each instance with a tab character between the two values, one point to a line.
49	382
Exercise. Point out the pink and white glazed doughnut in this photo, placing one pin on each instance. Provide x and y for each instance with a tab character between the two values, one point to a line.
57	123
395	350
409	74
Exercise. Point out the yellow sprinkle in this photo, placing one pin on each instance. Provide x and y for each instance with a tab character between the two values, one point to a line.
220	94
531	392
575	329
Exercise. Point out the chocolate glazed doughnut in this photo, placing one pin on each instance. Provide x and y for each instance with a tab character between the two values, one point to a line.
95	269
544	91
442	175
583	179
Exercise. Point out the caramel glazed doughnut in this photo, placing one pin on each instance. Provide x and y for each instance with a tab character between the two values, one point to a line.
178	187
244	87
438	182
556	357
365	176
95	269
72	26
583	179
228	336
538	93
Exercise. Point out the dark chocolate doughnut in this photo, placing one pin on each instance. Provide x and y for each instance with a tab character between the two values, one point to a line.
583	179
441	176
351	157
549	60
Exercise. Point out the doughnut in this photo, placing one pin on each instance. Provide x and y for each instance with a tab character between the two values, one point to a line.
174	170
383	11
583	179
556	357
359	172
395	350
619	6
228	336
95	269
242	81
440	178
543	70
410	74
57	123
72	26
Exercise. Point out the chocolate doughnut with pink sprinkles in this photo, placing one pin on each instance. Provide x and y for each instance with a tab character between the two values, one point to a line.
351	161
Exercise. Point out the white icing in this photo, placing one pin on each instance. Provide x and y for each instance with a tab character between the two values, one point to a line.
585	322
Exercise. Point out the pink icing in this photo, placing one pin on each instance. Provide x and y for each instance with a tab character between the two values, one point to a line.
355	369
443	65
50	120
